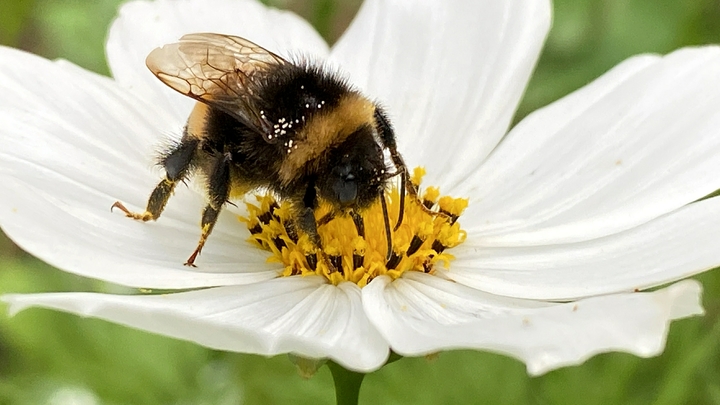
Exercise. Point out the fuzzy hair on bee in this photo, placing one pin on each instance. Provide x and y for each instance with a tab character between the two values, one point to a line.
262	122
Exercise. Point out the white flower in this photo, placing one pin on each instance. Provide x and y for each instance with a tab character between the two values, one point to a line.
585	200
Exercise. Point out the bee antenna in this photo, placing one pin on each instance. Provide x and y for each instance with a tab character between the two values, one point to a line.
386	217
400	166
401	214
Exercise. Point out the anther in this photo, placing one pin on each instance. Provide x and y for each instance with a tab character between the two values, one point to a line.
279	243
393	262
265	217
415	244
452	217
336	261
427	266
438	247
358	260
256	229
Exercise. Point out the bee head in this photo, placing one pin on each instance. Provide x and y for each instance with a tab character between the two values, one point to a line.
355	171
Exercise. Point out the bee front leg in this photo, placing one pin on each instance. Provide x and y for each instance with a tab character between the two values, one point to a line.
307	224
218	188
387	136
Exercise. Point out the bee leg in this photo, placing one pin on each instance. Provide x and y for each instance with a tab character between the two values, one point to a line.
326	219
411	190
359	223
209	218
218	185
387	136
291	230
156	202
306	223
177	163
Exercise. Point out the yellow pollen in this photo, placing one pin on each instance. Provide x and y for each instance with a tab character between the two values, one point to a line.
419	244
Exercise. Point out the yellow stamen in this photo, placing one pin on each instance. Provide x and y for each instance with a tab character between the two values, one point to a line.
419	244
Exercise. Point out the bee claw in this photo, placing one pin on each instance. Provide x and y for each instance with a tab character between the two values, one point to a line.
145	216
119	206
190	262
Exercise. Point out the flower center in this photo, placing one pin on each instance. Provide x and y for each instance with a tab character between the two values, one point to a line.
419	244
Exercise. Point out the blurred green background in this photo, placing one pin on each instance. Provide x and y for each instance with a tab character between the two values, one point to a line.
58	359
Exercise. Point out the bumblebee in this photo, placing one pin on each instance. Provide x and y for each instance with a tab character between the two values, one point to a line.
262	122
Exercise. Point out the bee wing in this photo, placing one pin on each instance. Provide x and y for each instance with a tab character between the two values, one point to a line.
222	71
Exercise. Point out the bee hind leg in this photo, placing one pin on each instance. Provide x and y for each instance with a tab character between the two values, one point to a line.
209	218
156	203
218	188
177	162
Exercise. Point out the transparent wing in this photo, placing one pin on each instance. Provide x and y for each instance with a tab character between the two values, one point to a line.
221	70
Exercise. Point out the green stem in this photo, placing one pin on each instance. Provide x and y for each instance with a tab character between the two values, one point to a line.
347	384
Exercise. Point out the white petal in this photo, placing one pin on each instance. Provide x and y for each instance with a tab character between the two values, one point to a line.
666	249
637	143
450	73
145	25
295	314
74	143
420	314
